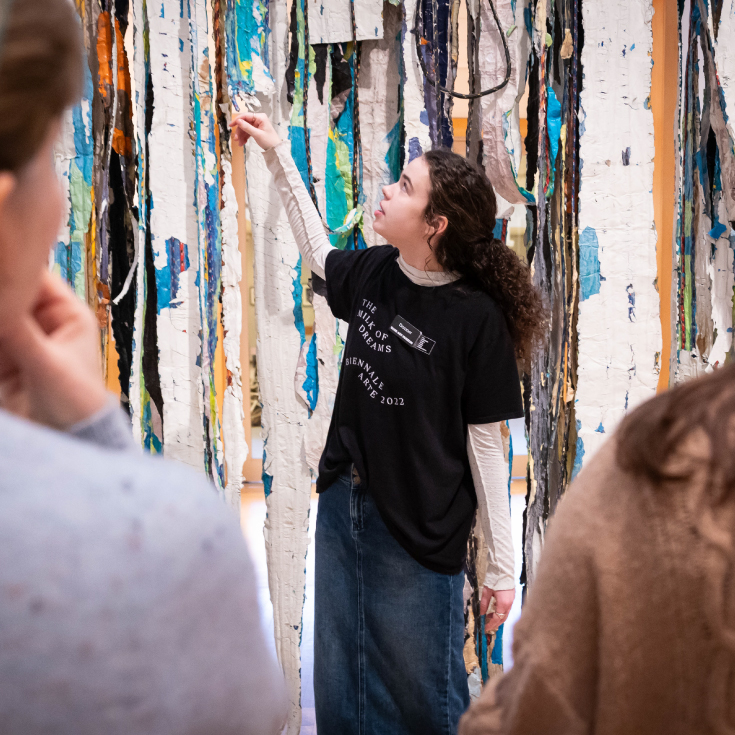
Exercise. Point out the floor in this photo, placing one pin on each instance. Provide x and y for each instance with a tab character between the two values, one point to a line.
252	519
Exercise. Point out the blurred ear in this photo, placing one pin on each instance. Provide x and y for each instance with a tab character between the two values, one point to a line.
15	293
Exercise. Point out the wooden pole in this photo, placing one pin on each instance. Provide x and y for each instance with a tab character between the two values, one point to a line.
664	94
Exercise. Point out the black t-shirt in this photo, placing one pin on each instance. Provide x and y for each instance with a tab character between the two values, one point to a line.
419	365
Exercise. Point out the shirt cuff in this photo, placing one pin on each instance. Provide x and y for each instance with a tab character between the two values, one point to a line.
499	581
109	428
270	154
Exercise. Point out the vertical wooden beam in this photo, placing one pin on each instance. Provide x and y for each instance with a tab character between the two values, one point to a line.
253	466
664	93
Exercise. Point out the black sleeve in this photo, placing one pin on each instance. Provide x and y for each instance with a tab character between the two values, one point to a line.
492	389
346	272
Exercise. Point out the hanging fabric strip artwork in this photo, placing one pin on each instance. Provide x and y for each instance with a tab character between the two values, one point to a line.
74	161
594	262
703	251
174	228
415	117
618	368
279	319
207	195
331	22
552	170
146	405
142	242
502	144
247	41
381	116
233	411
432	27
150	236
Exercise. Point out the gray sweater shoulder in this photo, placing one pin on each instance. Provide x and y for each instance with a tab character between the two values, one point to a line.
127	596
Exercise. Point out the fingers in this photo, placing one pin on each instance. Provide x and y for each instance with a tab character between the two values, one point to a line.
254	125
503	603
487	595
58	305
8	366
494	620
243	131
246	127
244	124
492	623
254	118
25	342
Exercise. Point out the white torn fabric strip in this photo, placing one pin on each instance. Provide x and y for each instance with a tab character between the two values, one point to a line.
136	49
380	87
174	235
415	117
720	266
725	55
325	325
501	133
720	272
233	411
328	358
619	327
712	267
284	417
330	21
286	475
209	229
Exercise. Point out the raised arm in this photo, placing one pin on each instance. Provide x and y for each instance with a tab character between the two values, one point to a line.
308	230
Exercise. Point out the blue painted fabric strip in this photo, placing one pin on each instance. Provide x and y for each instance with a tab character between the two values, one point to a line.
589	263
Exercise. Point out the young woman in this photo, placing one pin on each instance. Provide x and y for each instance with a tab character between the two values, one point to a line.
127	600
629	628
429	372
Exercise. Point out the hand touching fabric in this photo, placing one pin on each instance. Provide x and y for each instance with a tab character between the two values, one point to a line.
50	365
257	126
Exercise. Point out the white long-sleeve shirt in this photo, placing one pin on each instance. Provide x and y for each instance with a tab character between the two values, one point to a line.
484	441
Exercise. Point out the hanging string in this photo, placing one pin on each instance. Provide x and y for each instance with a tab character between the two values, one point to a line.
307	144
356	139
357	142
435	82
471	55
438	100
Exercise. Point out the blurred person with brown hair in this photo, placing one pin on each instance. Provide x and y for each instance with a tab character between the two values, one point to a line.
127	598
629	628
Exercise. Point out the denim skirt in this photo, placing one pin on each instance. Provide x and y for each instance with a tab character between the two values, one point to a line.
388	633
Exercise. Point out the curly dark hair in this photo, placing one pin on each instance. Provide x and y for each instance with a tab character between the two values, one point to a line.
463	194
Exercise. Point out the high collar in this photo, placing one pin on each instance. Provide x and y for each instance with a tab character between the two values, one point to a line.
426	278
